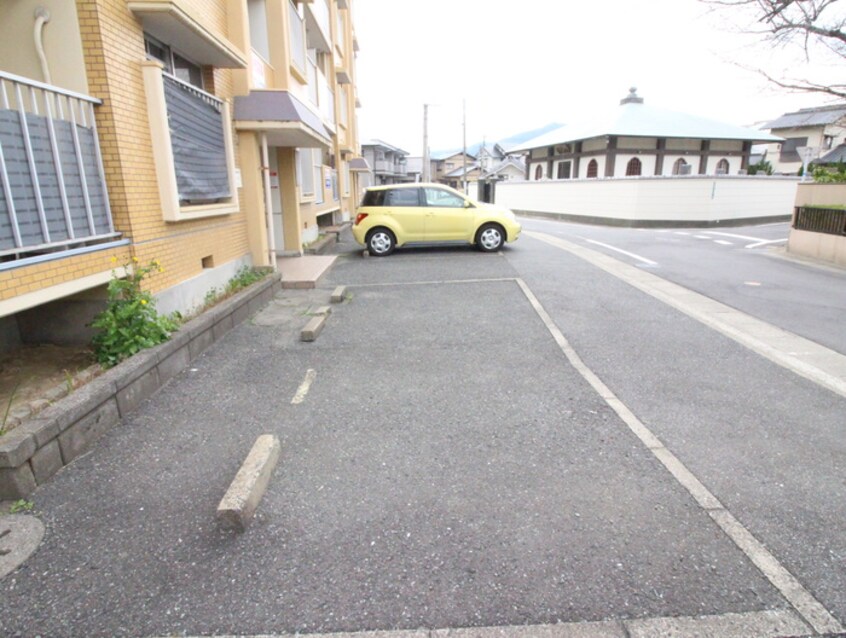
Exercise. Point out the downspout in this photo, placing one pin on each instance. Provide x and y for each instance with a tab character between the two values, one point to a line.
42	17
268	203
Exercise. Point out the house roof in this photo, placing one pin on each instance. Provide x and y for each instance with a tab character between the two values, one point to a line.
508	161
633	118
459	172
837	154
818	116
390	147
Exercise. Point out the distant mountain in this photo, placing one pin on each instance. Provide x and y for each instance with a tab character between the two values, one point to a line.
506	143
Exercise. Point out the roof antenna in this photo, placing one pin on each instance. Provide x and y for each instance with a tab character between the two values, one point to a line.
632	97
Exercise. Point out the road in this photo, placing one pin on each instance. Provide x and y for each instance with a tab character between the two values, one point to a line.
542	436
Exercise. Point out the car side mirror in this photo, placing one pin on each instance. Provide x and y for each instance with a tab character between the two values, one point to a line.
468	204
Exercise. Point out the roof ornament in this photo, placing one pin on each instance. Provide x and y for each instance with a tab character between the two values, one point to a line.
632	97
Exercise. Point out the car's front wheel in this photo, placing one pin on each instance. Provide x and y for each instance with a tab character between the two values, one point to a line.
381	242
490	238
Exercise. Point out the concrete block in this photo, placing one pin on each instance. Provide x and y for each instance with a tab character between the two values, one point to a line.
322	311
82	401
79	438
130	397
238	505
223	326
174	364
16	447
44	430
313	328
46	462
178	339
339	294
197	326
257	303
199	343
242	312
16	482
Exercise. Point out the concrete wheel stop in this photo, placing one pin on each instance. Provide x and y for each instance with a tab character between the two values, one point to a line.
315	325
241	500
20	536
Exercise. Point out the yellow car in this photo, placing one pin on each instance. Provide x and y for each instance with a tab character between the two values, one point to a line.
406	214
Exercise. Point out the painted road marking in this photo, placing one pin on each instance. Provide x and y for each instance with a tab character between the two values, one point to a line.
702	237
623	252
723	242
680	232
764	243
746	237
774	623
800	598
823	366
302	391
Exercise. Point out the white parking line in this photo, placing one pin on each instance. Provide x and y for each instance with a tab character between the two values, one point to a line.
723	242
623	252
702	237
302	391
800	598
680	232
746	237
764	243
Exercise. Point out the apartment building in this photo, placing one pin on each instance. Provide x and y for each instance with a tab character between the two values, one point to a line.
389	163
205	134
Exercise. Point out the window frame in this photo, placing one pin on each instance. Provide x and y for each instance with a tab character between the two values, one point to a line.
630	167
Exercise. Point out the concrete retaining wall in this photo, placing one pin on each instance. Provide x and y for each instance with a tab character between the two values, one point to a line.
655	201
822	246
33	452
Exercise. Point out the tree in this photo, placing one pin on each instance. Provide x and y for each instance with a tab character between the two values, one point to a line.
817	26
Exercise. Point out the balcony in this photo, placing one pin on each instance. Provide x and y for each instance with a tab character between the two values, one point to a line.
318	28
390	168
53	193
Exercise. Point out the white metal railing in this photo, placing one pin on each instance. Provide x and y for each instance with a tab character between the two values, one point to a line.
320	11
53	191
326	99
313	91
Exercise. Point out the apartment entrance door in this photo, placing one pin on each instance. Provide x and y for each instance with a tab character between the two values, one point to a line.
276	201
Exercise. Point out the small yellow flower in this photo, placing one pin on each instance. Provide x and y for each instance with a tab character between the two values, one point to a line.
114	260
143	302
161	269
156	263
135	259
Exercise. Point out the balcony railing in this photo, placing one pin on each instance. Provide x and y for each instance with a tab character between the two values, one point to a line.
317	25
326	99
52	186
830	221
385	166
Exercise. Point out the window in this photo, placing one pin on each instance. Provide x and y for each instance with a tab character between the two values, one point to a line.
442	198
828	141
593	168
564	170
789	152
402	197
538	172
258	27
680	167
317	157
305	172
633	168
723	167
297	42
175	64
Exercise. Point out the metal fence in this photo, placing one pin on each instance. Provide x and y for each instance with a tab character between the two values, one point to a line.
831	221
52	186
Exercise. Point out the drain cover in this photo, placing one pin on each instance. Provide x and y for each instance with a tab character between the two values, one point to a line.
20	536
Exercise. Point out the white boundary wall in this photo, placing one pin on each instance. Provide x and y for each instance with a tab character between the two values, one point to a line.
694	198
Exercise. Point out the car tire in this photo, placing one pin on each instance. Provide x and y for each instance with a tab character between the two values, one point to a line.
490	238
380	242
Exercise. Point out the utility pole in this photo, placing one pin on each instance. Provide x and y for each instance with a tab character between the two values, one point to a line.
427	167
464	143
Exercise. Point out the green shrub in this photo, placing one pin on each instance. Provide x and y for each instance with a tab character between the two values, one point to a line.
130	322
763	167
833	174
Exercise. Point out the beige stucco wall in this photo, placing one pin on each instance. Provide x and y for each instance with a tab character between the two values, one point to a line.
825	247
689	199
62	42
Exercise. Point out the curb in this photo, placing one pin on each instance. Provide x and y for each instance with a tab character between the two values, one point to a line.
33	452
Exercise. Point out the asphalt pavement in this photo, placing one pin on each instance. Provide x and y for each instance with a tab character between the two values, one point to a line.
449	467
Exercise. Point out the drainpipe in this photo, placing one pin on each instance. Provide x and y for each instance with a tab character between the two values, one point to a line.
268	203
42	17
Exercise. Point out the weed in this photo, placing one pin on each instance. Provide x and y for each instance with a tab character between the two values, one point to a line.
130	322
9	407
21	505
68	380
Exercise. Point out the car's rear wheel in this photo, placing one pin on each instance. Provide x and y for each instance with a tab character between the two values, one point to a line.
490	238
381	242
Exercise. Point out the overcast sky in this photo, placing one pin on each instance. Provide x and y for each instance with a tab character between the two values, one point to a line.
521	65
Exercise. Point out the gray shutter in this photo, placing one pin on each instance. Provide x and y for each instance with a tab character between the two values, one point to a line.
199	151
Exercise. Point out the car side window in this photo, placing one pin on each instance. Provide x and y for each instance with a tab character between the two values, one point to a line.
402	197
373	198
442	199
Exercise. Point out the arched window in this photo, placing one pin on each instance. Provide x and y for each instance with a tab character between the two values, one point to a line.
593	168
633	167
679	168
723	167
538	172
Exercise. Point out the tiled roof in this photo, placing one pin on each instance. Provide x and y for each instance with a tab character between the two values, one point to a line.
819	116
837	154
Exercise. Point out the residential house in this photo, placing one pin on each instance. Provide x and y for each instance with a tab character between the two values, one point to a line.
449	162
169	130
807	134
509	168
388	162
